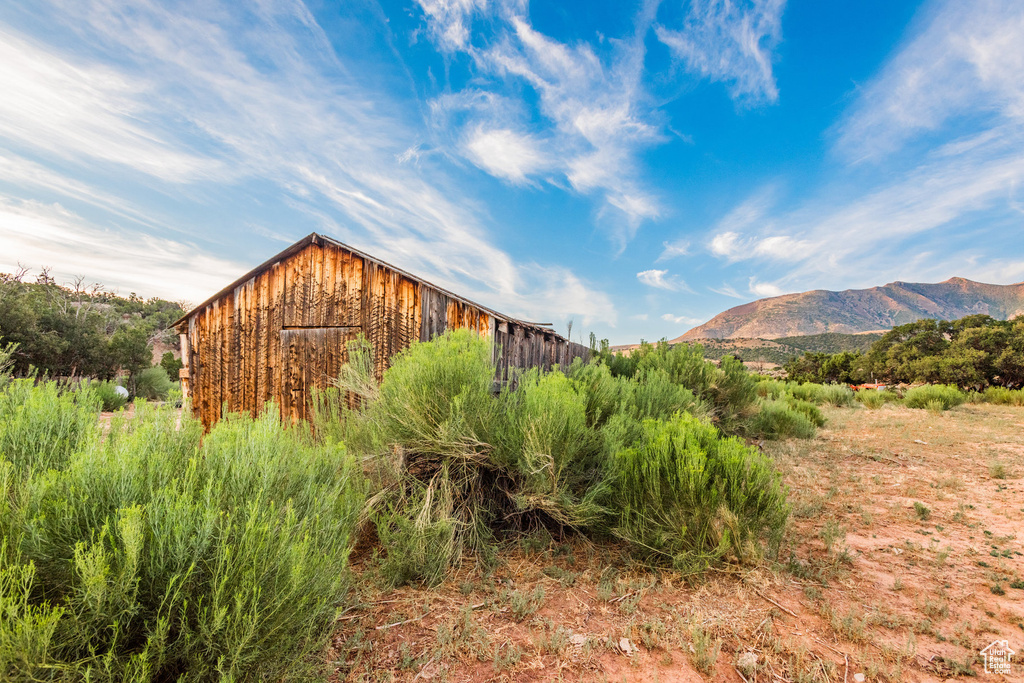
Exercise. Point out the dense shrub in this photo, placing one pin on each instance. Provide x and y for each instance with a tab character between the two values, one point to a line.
147	556
41	426
946	396
459	466
1003	396
687	497
110	398
778	420
875	399
808	409
729	391
153	384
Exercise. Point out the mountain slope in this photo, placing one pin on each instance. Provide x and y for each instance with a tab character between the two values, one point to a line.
861	310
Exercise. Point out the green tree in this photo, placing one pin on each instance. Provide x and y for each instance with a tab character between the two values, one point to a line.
130	347
172	365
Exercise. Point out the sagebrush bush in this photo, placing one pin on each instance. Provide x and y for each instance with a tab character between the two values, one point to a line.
728	390
1004	396
459	466
153	384
771	388
686	497
945	395
556	458
778	420
876	398
42	425
147	556
110	398
808	409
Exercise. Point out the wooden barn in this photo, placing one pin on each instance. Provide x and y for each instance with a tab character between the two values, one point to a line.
281	329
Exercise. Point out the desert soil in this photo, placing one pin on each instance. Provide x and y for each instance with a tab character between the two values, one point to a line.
903	560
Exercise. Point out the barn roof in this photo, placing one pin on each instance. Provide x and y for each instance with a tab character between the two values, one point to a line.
316	238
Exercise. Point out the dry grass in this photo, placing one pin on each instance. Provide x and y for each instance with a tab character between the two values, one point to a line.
865	583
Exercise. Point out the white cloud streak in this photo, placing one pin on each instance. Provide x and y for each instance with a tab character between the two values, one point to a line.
39	235
660	279
680	319
966	60
674	249
731	41
227	95
954	86
595	109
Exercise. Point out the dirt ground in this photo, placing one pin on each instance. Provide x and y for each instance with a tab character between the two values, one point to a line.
902	562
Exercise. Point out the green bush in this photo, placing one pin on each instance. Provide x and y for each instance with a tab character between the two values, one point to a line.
945	395
110	398
837	395
777	420
876	398
1003	396
41	425
771	388
556	458
729	391
147	556
153	384
458	466
808	409
687	497
6	362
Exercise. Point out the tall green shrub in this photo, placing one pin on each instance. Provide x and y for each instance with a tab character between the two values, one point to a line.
42	425
687	497
149	556
946	396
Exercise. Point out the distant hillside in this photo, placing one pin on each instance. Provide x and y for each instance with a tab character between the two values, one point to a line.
778	351
861	310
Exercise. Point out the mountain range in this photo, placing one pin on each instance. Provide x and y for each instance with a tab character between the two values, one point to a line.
861	310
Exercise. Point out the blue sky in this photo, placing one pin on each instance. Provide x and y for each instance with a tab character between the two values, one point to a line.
633	167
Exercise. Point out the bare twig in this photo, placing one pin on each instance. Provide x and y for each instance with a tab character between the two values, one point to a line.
787	611
623	597
399	623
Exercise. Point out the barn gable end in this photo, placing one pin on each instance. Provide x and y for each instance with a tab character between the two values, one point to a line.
280	330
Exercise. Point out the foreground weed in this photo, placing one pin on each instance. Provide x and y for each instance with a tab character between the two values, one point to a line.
997	470
704	649
524	604
922	511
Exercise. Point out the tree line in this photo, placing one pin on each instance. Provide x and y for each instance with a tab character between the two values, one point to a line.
81	329
974	352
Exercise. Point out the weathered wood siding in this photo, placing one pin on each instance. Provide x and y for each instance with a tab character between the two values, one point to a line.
282	332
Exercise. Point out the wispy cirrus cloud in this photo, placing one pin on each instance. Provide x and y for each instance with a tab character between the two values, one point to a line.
674	249
660	279
680	319
595	113
507	154
227	100
946	114
732	42
966	59
48	235
762	289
